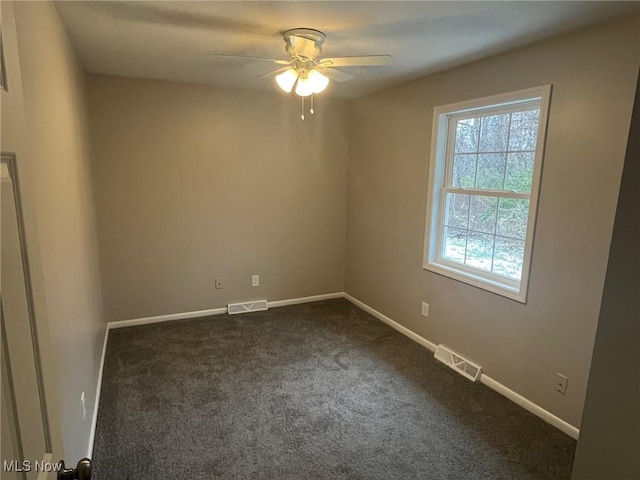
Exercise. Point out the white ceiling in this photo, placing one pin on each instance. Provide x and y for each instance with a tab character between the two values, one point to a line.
171	40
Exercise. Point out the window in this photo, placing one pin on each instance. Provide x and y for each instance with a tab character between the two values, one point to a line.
484	180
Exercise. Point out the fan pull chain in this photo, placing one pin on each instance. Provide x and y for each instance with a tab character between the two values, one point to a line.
311	110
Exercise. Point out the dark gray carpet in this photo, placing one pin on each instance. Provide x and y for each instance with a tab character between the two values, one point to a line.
315	391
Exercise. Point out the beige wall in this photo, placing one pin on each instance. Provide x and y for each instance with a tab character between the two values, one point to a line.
45	125
609	444
593	73
194	183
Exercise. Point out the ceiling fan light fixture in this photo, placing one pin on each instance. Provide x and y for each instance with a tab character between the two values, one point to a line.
304	87
286	79
318	81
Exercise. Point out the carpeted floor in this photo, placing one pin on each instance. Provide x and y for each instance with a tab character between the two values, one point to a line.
314	391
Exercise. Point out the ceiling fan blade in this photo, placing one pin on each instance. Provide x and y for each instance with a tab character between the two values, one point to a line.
357	61
336	75
274	72
242	57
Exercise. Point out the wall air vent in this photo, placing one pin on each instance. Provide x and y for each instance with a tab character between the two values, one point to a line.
458	363
255	306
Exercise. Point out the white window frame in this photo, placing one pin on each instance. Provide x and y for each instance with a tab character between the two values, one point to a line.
444	118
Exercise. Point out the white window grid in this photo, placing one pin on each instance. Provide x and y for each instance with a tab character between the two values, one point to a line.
448	189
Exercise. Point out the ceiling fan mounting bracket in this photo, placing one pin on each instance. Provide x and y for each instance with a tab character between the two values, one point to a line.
309	33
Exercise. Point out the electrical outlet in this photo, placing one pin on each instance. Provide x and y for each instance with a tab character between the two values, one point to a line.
84	408
255	281
561	383
219	282
425	309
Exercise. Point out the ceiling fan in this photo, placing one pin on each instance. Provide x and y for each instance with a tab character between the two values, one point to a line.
306	69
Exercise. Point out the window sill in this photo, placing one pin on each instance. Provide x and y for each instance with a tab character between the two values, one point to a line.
478	281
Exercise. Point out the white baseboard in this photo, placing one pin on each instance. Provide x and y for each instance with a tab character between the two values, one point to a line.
392	323
528	405
518	399
218	311
167	318
92	434
313	298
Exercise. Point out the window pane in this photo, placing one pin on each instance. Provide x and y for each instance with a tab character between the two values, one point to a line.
482	214
508	257
479	251
464	171
455	244
490	173
467	135
512	217
457	210
493	133
519	173
523	132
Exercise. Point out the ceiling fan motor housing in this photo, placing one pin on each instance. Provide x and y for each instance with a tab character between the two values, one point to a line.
304	43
